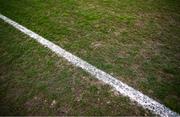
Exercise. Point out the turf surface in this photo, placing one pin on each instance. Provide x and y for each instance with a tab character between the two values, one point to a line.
135	41
34	81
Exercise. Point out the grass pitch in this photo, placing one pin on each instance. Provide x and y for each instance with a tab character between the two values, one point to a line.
34	81
135	41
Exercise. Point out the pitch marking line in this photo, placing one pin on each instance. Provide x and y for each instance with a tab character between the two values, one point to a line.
121	87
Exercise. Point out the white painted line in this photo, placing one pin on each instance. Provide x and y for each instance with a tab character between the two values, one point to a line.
121	87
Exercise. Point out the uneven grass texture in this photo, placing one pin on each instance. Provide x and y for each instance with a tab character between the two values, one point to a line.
137	41
34	81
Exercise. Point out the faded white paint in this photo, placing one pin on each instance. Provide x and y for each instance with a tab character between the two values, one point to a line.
121	87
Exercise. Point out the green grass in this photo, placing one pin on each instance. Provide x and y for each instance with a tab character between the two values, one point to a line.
34	81
135	41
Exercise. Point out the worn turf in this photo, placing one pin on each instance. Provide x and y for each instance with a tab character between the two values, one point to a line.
34	81
135	41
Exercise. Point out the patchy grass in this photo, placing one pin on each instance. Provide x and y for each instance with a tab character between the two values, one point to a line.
34	81
135	41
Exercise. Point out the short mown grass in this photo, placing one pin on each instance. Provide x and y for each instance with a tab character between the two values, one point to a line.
34	81
135	41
